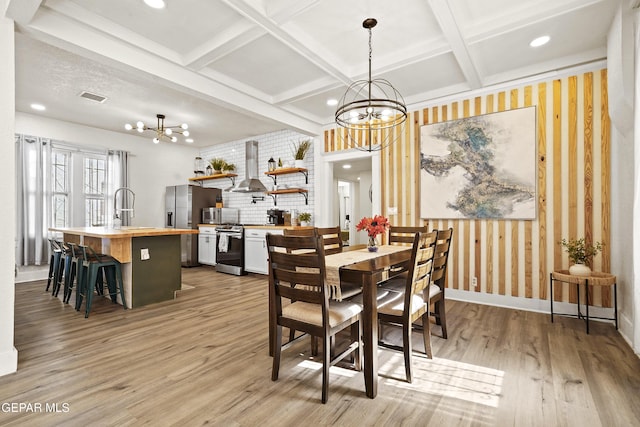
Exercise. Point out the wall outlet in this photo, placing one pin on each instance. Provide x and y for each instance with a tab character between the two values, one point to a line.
474	282
144	254
392	210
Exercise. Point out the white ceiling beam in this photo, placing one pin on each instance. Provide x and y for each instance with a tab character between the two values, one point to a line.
288	9
307	90
587	57
223	44
22	11
452	33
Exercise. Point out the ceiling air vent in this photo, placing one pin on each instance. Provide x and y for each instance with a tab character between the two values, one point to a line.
93	96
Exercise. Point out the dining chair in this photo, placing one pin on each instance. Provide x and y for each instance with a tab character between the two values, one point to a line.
299	300
405	307
332	239
402	235
332	244
438	278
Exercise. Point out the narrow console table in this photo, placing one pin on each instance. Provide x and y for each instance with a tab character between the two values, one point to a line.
594	279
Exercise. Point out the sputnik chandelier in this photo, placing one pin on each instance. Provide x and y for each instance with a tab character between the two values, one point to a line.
162	132
370	108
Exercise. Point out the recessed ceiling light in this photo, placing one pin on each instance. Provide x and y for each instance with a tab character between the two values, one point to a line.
539	41
38	107
332	102
347	166
156	4
189	140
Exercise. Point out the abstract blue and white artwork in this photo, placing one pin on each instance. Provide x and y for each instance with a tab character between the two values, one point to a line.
481	167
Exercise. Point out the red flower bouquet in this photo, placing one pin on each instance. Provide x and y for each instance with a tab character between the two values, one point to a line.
374	226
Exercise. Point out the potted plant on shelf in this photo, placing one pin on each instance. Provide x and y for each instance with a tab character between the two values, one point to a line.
580	253
228	167
218	164
305	219
300	150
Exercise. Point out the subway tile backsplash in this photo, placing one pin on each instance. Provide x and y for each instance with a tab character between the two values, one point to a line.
278	145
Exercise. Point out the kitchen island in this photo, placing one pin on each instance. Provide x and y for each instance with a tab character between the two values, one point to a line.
150	258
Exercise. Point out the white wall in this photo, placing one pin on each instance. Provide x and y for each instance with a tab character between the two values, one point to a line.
8	353
152	166
625	176
277	145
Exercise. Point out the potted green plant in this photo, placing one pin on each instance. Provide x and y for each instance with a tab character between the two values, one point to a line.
300	150
218	164
580	254
228	167
304	218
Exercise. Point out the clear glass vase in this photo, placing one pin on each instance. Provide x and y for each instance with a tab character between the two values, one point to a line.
373	244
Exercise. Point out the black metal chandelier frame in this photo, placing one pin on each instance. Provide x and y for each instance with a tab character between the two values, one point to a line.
372	106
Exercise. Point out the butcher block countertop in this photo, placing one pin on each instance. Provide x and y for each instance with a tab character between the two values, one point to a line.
125	231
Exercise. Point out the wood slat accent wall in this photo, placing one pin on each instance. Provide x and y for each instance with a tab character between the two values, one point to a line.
514	257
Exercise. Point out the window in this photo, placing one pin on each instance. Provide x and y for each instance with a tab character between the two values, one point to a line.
94	189
60	188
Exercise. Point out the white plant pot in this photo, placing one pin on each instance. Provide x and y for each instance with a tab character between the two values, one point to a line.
304	223
579	270
298	163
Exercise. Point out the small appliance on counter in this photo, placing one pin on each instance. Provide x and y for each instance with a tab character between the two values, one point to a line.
213	215
275	217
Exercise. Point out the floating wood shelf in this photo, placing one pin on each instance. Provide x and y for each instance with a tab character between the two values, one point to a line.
284	171
302	191
200	179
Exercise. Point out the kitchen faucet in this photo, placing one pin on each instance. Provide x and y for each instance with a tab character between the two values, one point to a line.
122	209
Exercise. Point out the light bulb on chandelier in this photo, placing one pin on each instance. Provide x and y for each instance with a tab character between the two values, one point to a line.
162	131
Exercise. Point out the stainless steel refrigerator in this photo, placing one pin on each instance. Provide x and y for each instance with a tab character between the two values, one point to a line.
183	209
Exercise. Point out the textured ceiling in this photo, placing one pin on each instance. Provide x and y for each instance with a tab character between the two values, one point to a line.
238	68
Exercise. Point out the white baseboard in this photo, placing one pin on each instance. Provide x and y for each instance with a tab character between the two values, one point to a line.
528	304
32	273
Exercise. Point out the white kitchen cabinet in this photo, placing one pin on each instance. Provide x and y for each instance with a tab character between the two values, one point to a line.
207	245
256	256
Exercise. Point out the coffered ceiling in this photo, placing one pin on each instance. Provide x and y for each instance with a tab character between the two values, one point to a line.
238	68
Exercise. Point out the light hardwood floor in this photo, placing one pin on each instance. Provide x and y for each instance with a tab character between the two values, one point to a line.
203	359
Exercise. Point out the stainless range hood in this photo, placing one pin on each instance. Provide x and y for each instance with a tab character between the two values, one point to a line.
251	183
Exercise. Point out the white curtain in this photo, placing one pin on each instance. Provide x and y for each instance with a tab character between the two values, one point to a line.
33	160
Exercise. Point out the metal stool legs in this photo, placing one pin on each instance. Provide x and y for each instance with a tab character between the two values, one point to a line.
90	279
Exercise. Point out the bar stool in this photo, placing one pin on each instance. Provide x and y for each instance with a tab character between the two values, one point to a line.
71	270
65	260
89	277
54	262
